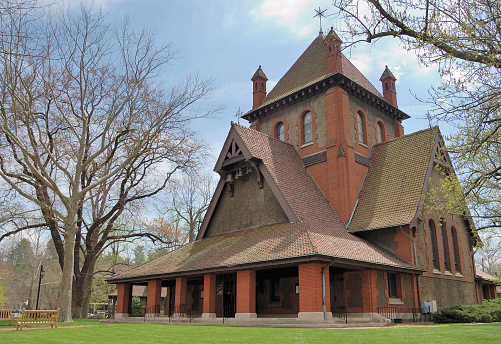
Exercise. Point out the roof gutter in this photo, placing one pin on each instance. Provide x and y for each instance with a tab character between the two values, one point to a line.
324	305
415	263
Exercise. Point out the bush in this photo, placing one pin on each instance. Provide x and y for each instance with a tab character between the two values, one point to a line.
488	311
137	307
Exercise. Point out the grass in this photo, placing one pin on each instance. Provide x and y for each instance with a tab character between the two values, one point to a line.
95	332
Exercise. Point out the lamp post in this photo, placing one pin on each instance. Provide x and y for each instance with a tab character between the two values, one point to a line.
42	273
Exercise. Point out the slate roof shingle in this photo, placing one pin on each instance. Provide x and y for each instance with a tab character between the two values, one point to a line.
394	183
319	231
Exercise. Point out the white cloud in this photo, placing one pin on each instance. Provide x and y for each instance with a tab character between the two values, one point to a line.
294	15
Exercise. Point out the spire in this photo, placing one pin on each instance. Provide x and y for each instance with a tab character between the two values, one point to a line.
388	84
333	55
258	87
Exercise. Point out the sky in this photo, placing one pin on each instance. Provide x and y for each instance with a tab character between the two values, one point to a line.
228	39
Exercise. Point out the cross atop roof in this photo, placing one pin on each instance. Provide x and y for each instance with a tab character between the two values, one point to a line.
320	14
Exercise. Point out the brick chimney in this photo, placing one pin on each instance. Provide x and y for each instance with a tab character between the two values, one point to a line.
333	55
258	88
389	90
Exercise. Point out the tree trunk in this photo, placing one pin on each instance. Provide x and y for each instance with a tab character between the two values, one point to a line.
88	278
65	293
82	289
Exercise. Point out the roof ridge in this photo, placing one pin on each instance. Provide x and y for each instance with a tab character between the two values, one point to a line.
408	135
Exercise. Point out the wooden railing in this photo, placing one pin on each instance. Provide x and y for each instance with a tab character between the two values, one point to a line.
396	314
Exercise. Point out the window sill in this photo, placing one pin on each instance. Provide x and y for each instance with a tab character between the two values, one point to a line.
458	274
307	144
395	301
363	144
435	271
447	273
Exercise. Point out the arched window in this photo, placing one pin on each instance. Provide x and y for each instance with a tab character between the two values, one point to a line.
434	245
307	128
361	128
445	244
455	249
280	131
380	132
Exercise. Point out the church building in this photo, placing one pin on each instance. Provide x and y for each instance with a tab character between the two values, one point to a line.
321	213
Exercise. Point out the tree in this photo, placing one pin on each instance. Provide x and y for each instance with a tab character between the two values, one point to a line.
463	38
191	196
88	130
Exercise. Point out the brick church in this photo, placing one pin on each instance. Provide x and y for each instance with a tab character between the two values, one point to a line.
321	211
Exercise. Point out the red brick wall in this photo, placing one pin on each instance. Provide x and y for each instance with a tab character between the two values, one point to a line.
154	293
209	294
246	291
124	297
369	291
181	284
310	288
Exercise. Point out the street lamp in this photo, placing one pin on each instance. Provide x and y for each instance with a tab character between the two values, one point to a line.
42	273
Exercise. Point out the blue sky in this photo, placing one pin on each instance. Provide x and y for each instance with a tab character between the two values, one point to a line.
229	39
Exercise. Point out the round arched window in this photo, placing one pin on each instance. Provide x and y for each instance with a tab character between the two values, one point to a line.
307	128
380	131
361	128
280	133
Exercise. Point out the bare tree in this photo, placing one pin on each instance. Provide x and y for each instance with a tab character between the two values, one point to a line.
88	131
191	196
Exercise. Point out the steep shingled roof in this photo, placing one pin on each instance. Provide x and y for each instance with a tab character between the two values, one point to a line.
394	183
319	231
311	67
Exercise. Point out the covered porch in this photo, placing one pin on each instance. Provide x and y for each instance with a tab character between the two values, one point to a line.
316	292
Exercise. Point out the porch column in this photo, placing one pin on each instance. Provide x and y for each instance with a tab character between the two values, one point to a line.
209	310
180	298
369	291
246	295
154	296
124	300
310	292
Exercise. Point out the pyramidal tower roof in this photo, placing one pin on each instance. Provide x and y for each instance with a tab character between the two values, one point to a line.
310	67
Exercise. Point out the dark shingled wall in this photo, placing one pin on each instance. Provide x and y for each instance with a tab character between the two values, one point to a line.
446	292
249	207
354	286
381	288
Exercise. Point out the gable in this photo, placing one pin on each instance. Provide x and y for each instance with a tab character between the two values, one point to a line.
250	206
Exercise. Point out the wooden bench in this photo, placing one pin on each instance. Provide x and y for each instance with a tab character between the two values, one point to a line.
30	317
6	314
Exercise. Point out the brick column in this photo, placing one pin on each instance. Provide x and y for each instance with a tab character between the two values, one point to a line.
310	292
246	295
124	300
369	291
154	295
209	310
180	298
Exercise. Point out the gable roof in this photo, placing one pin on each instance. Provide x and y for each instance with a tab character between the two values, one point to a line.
405	161
317	231
311	67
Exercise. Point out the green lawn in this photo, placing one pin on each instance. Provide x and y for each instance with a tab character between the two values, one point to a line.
146	333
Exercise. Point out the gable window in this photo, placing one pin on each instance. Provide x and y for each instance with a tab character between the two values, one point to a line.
307	128
455	249
280	131
445	244
361	128
392	285
380	132
434	245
